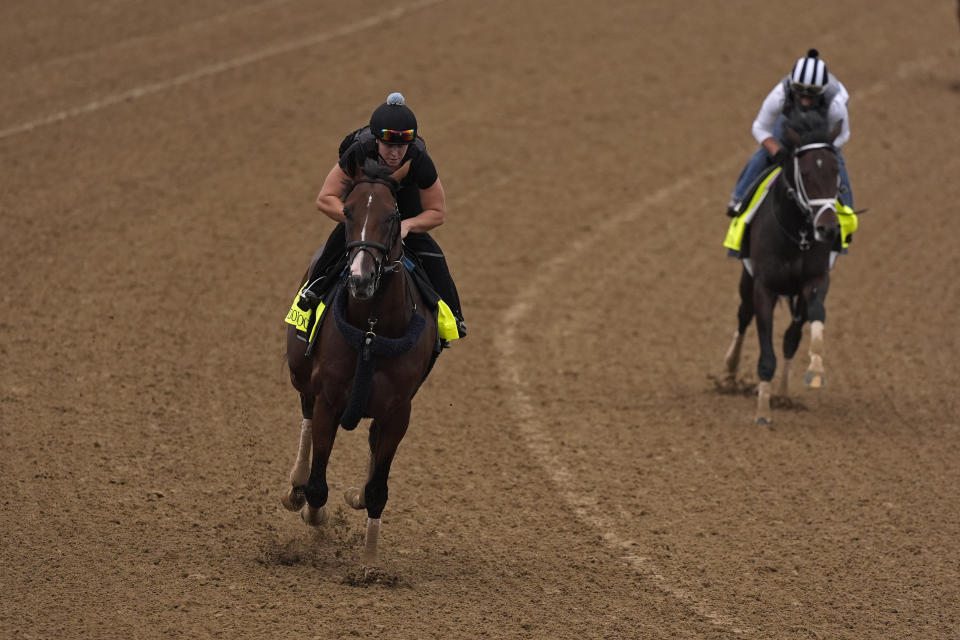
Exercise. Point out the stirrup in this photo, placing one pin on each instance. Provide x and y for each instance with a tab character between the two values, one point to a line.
733	208
308	300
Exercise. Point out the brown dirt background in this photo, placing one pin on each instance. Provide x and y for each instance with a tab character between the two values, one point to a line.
571	470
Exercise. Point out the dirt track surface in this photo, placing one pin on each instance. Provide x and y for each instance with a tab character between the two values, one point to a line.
571	470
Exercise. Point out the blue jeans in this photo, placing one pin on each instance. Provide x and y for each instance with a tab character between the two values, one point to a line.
760	160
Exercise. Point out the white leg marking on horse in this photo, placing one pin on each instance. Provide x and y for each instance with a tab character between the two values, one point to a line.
301	468
369	555
732	358
784	389
763	403
815	377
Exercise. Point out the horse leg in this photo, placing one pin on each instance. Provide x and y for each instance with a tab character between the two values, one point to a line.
385	437
295	498
323	432
744	316
354	497
763	302
791	340
816	295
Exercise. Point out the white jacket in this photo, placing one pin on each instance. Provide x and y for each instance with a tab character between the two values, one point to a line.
772	108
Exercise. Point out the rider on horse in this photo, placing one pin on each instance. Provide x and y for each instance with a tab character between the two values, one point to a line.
390	139
809	86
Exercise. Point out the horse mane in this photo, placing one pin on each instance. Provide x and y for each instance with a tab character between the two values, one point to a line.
810	126
373	170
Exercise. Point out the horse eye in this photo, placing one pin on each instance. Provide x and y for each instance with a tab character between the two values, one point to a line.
347	212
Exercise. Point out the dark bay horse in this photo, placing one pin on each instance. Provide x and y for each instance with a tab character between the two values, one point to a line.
790	241
370	358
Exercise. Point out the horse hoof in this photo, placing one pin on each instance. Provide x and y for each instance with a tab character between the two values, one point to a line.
814	380
294	499
763	422
353	498
314	517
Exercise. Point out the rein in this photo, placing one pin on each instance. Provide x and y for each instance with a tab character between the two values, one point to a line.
812	208
384	249
367	343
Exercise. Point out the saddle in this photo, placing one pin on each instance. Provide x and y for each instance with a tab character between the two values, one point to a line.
307	312
734	242
737	240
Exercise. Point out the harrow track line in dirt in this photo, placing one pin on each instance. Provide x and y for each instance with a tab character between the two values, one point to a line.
134	41
539	441
537	438
216	69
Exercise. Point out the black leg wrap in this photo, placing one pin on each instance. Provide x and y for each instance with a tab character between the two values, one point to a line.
375	499
306	406
791	339
317	493
766	367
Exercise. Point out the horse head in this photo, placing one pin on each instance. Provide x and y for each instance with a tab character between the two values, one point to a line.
815	171
372	226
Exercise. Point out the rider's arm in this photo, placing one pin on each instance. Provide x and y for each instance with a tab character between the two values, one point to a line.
766	118
434	204
328	200
838	113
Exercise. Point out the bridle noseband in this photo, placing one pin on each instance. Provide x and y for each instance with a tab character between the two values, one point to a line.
369	246
812	208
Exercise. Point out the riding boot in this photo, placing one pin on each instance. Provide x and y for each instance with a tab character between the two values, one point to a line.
323	274
435	266
439	275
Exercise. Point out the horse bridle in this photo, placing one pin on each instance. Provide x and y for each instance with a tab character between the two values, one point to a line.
383	249
812	208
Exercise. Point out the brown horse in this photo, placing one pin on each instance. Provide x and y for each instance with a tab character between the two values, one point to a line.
790	238
370	357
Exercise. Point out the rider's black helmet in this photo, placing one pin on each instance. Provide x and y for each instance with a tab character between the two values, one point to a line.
393	122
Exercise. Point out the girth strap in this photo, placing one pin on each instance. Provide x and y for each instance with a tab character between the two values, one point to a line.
370	346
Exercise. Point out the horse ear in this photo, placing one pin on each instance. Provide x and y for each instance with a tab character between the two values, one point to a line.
402	172
836	131
792	136
354	169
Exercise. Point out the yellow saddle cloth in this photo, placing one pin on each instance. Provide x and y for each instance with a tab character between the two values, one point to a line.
734	238
307	322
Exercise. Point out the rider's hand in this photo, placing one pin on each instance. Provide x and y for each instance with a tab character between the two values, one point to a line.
780	157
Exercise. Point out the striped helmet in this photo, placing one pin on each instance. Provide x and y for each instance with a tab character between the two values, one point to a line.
809	76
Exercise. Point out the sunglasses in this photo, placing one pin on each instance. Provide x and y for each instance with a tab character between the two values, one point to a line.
809	90
392	136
